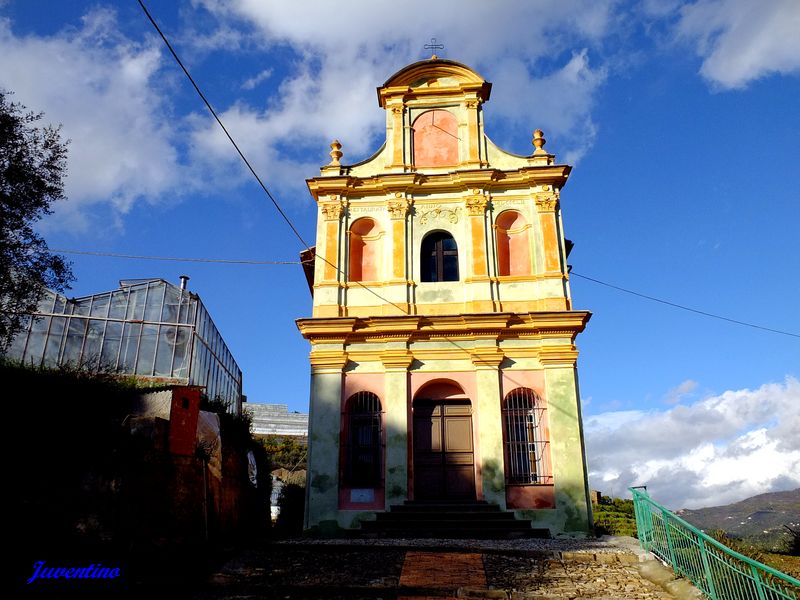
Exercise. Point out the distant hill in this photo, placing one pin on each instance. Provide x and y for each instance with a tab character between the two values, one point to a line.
759	519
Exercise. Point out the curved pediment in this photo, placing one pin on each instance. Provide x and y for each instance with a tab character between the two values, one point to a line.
433	76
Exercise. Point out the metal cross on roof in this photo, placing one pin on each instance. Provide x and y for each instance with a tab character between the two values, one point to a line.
434	46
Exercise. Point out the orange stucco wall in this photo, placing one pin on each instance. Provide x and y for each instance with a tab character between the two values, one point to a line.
435	139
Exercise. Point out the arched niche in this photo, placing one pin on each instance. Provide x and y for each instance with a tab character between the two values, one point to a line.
365	250
435	139
513	244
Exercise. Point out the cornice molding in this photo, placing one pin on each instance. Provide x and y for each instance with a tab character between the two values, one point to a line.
536	325
490	181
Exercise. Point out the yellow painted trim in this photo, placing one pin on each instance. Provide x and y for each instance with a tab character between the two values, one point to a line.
455	327
492	181
396	359
445	308
327	360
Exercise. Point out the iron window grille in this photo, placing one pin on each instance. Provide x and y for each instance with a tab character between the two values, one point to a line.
526	450
363	441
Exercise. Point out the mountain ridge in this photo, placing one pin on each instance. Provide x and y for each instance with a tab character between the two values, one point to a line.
760	519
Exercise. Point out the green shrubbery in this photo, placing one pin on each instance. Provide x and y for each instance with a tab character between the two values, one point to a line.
292	502
614	516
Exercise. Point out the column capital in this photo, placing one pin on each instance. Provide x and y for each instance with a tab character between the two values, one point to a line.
476	203
334	208
547	201
490	357
327	361
399	206
396	360
565	356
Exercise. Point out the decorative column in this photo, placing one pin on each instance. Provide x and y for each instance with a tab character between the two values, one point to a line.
472	158
571	485
489	422
332	211
476	208
324	417
398	209
547	206
398	135
396	406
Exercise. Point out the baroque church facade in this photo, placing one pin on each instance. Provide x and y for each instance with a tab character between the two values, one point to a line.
443	357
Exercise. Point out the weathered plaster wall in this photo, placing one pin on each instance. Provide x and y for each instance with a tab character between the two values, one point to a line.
567	451
322	478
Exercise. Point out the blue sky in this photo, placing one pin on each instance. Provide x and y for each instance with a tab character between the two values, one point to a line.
680	118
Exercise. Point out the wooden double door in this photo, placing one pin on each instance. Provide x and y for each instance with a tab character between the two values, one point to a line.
444	458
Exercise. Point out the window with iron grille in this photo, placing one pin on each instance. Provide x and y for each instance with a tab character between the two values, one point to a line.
439	257
363	453
526	451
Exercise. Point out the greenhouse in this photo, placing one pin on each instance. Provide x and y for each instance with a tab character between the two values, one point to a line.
149	328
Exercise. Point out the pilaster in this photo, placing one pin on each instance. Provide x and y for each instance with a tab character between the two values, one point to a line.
566	441
490	437
325	413
396	410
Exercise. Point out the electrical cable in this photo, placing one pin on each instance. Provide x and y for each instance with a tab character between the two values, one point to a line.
305	244
682	307
297	262
183	259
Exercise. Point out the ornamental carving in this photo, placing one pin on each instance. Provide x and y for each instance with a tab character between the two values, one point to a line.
398	208
476	205
437	213
547	202
332	211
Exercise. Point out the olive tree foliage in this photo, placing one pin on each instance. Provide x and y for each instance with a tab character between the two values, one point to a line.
32	170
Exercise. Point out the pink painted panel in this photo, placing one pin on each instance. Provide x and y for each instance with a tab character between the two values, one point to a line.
364	250
363	382
345	503
435	139
441	386
353	383
513	247
466	381
530	496
534	380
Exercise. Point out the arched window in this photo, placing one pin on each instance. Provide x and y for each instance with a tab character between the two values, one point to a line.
513	248
527	456
435	139
365	251
364	441
439	257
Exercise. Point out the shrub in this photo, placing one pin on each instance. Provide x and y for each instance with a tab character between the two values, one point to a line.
292	503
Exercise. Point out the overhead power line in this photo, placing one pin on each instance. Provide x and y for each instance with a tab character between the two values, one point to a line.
222	125
336	267
297	262
682	307
247	162
182	259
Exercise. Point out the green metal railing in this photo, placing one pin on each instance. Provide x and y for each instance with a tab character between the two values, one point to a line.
719	572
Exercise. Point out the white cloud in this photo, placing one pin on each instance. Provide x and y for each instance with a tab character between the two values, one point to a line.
741	40
717	450
680	391
254	81
342	57
100	86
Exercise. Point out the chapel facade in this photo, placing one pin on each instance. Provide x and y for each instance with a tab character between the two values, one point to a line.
443	357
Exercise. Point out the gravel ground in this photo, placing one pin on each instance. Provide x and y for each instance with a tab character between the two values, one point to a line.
370	569
520	546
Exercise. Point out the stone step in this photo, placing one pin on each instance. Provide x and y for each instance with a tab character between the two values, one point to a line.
439	507
462	516
450	520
